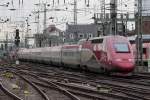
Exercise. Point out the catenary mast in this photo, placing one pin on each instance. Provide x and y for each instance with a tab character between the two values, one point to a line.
113	13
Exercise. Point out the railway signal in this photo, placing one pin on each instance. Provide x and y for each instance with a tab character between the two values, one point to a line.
17	38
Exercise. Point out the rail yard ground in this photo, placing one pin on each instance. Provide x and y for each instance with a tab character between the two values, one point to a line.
30	81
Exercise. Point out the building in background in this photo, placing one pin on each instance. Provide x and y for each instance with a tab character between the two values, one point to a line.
145	16
76	32
51	36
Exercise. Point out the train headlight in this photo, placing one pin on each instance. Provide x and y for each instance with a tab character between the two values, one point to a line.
118	59
130	60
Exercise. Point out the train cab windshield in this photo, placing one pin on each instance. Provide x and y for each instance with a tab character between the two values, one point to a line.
121	48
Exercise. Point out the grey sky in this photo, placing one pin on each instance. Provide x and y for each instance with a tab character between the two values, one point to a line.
60	18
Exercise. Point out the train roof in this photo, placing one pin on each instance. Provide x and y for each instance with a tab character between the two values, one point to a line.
100	39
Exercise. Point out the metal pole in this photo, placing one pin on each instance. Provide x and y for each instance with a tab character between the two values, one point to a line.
27	20
45	16
37	18
126	24
38	22
75	12
113	12
103	8
140	32
139	35
104	13
27	25
75	20
6	42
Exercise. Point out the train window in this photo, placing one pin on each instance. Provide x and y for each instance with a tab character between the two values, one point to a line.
68	54
121	47
97	41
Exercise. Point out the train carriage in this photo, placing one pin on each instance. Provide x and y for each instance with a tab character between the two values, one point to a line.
99	54
71	55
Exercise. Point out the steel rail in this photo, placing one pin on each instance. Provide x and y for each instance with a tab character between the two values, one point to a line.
32	84
72	96
6	91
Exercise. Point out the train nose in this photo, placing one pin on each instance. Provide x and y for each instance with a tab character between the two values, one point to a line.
125	65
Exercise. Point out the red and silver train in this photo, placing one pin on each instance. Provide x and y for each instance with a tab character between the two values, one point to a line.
99	54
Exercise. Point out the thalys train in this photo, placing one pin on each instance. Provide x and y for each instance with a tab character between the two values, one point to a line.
100	54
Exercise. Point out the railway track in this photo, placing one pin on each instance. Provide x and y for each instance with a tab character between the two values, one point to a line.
119	87
57	93
60	90
5	94
135	79
84	92
21	87
116	88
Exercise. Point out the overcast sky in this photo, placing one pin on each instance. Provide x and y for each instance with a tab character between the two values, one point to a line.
25	8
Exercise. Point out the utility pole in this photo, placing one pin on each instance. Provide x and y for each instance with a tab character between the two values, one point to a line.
44	7
103	8
37	18
6	45
75	20
75	12
38	22
126	23
103	15
45	16
139	35
122	21
113	12
27	32
27	20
